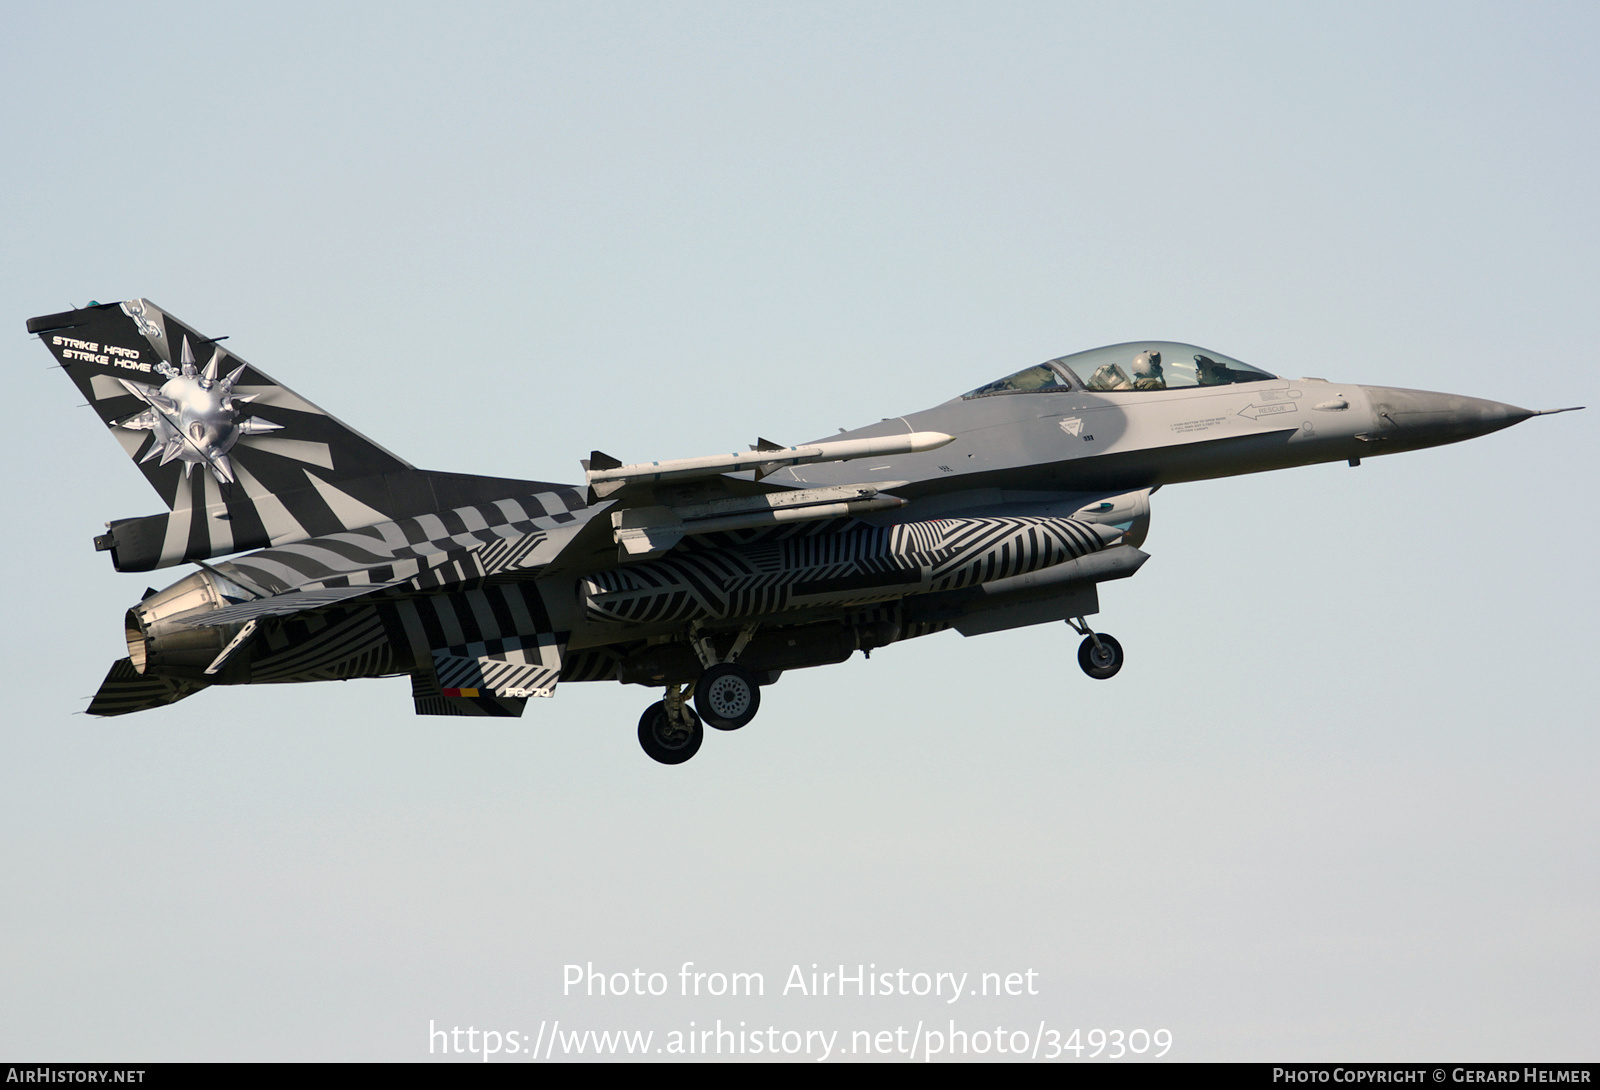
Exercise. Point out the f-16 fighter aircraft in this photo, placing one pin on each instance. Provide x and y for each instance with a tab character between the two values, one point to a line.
705	577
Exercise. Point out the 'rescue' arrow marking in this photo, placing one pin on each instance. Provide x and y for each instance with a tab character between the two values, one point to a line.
1254	411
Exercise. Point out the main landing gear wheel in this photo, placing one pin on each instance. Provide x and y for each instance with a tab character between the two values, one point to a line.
668	742
1100	660
727	696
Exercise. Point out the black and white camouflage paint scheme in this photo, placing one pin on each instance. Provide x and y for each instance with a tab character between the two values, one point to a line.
278	468
194	415
322	556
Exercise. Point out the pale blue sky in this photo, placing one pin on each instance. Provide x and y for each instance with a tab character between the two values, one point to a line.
1340	802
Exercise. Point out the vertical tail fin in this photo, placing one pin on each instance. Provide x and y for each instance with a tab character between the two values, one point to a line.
139	367
241	461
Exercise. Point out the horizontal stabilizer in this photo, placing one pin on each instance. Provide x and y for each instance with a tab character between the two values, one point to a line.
127	690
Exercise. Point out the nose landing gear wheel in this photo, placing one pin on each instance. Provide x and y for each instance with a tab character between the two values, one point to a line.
727	696
1100	661
666	741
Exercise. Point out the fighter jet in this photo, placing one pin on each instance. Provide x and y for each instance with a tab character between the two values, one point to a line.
705	577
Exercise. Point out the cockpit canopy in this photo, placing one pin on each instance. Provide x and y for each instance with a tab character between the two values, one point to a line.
1135	366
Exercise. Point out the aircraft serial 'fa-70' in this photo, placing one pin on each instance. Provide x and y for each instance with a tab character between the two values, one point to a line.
1004	507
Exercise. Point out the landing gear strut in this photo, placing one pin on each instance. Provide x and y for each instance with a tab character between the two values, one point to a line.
1100	655
670	731
727	695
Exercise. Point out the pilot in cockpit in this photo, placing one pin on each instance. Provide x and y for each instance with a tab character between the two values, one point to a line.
1147	371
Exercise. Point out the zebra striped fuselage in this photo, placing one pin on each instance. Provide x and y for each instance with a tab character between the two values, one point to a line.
867	564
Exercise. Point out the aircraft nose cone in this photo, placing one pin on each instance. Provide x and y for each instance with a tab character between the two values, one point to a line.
1419	418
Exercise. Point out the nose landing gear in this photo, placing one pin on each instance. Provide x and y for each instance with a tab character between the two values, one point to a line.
1099	655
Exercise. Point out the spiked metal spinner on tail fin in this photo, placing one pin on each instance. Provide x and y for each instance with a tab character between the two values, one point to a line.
241	461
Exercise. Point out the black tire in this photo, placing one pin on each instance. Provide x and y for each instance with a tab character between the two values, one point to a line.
665	742
1101	662
727	696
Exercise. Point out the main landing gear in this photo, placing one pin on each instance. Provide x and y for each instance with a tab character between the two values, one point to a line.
669	730
727	696
1100	655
